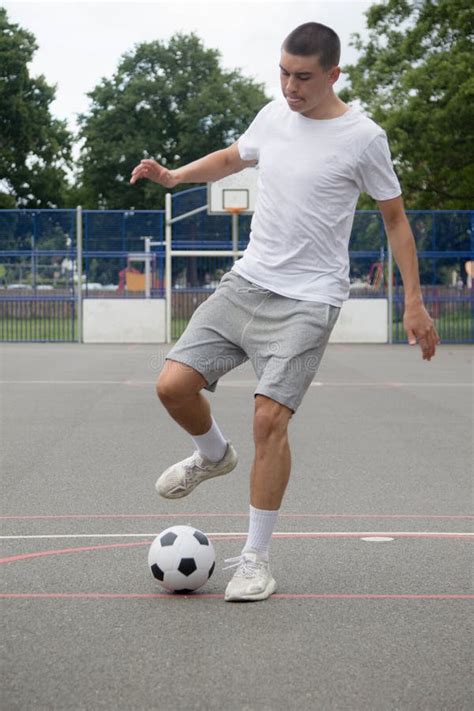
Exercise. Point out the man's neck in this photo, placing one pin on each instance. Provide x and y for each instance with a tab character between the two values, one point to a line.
331	109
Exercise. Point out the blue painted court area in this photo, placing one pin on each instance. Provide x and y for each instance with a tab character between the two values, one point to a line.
372	557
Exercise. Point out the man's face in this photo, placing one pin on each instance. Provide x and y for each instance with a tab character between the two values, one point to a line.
304	84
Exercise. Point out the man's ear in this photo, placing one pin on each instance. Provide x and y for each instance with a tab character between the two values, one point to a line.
334	74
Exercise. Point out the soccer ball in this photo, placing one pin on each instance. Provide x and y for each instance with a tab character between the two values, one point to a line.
182	559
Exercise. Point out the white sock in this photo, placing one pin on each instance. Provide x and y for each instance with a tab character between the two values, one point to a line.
211	444
261	526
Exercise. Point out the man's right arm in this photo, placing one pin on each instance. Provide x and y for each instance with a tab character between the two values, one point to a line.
212	167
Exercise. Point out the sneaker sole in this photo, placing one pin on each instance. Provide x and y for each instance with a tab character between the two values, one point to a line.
269	590
179	495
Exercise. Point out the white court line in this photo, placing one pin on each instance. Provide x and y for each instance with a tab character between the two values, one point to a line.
73	382
279	534
243	383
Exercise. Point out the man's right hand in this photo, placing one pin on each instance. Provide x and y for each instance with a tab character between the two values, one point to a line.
149	168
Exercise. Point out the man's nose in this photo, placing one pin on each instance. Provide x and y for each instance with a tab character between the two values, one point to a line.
291	84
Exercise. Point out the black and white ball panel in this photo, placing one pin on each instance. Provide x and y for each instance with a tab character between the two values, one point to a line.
181	558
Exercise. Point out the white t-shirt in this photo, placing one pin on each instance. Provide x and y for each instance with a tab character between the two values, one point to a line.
311	173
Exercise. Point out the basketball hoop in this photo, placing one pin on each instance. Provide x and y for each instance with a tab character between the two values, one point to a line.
234	210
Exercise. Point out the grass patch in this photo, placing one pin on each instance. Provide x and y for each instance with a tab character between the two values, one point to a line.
38	329
452	327
455	327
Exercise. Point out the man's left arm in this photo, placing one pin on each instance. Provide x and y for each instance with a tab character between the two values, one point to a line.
416	320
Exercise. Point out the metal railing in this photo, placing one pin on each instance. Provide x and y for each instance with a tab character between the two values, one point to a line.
50	260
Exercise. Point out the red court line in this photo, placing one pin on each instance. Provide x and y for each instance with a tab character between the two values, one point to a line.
371	534
54	517
231	537
220	596
82	549
85	549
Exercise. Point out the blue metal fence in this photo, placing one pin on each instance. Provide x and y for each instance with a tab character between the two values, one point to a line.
445	246
37	298
113	241
38	266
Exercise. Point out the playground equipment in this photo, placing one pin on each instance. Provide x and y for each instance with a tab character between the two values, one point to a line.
132	279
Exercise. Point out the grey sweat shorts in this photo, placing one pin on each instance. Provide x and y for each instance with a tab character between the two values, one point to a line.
283	338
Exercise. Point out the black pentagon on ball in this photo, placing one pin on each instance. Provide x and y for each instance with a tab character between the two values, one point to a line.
203	540
187	566
211	570
157	572
168	539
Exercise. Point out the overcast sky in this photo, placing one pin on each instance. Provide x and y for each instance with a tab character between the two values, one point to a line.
81	42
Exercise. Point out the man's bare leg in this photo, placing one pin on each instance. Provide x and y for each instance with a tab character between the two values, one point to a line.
178	387
272	462
268	480
270	471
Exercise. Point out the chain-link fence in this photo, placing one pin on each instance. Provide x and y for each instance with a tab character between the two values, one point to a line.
39	270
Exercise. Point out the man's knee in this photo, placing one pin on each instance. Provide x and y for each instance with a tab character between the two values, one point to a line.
177	383
270	418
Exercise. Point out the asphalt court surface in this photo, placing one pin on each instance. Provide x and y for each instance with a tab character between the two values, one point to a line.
381	447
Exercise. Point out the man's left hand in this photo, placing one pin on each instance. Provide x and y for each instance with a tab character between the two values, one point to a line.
420	328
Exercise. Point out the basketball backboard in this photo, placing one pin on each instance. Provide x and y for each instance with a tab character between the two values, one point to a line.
235	191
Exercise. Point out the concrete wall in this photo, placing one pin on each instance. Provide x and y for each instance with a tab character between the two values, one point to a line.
362	321
124	321
143	321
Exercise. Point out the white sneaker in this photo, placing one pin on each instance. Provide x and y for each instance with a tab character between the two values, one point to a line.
181	478
252	580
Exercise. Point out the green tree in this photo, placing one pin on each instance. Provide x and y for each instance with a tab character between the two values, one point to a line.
413	78
169	101
34	147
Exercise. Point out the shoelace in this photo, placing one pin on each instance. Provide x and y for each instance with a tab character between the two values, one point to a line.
246	567
195	460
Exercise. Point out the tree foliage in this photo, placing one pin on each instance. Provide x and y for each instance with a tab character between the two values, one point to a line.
413	78
34	147
172	102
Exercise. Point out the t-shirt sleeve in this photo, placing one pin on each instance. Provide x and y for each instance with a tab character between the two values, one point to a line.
250	142
375	174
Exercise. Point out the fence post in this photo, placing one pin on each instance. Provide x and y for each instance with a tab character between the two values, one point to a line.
235	235
33	254
168	275
79	272
147	267
390	293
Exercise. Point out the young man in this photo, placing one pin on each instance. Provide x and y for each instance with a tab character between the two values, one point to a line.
280	302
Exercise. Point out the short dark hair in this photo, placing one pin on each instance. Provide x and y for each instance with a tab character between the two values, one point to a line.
313	38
